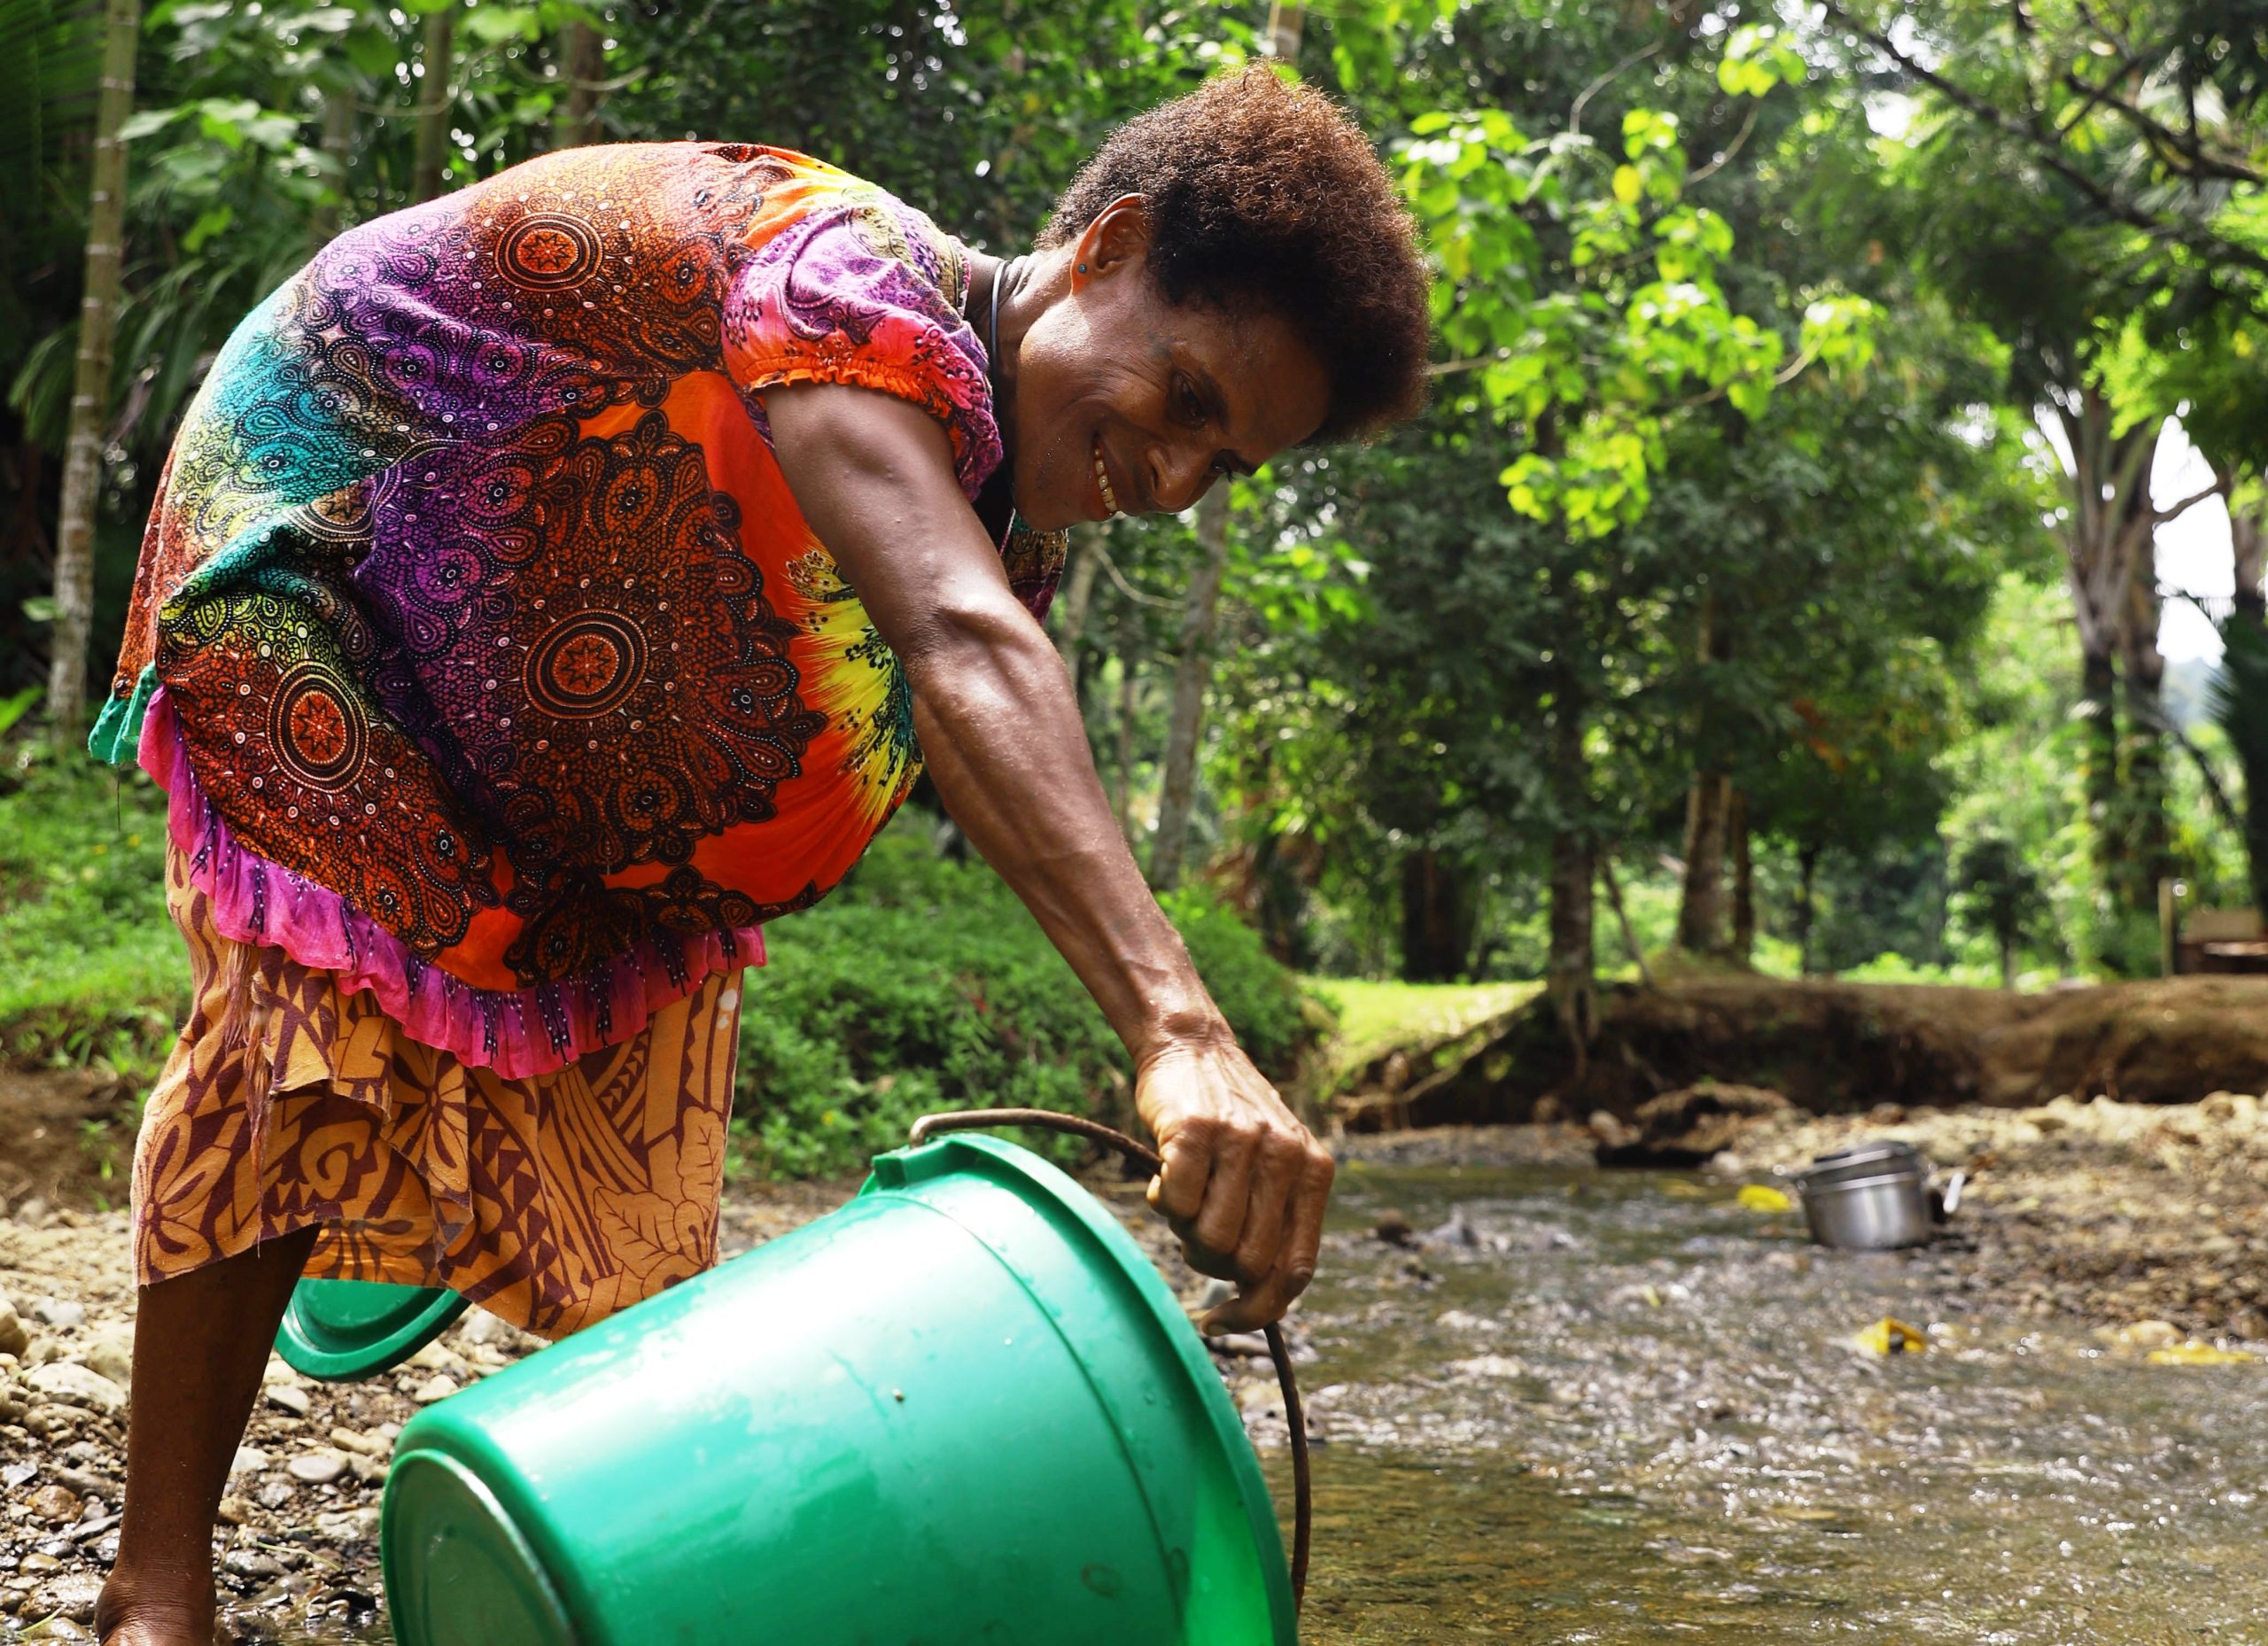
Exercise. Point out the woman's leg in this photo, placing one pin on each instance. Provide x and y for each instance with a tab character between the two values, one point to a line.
201	1343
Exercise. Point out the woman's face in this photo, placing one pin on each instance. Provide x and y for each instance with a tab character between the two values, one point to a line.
1123	403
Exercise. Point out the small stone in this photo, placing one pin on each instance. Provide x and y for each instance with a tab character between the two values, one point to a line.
351	1440
248	1460
1244	1344
87	1483
77	1386
1394	1228
290	1398
436	1358
57	1504
235	1511
62	1312
278	1370
37	1562
369	1470
73	1596
62	1628
250	1562
113	1356
352	1526
15	1474
318	1468
484	1329
274	1493
438	1387
14	1338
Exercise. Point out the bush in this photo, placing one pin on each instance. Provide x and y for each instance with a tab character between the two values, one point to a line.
923	984
89	964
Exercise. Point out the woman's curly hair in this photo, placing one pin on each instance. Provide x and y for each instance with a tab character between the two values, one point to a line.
1262	192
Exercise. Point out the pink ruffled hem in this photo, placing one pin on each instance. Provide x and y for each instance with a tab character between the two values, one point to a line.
519	1032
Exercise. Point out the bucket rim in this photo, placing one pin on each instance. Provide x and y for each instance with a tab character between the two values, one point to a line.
996	1158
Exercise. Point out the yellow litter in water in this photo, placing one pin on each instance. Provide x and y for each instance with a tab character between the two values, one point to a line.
1892	1337
2195	1354
1757	1198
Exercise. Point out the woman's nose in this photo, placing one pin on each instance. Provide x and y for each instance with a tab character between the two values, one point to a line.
1179	476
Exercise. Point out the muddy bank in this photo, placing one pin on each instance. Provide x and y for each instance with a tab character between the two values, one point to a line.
298	1549
2101	1213
2108	1213
1841	1048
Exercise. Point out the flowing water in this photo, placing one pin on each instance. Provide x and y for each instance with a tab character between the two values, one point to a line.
1620	1407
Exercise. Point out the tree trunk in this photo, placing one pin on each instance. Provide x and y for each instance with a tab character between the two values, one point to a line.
2110	523
1701	908
1701	903
2147	849
1283	25
1126	745
1438	918
2248	537
2008	959
577	122
1199	613
324	222
1569	971
1069	611
1622	918
1744	949
1807	876
2098	714
82	458
434	104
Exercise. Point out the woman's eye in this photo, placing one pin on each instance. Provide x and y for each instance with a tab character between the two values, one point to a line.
1190	408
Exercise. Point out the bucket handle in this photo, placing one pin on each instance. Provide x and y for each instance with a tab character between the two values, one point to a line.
1303	1490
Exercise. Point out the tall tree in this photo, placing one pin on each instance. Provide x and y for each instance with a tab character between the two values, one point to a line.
1202	613
435	106
90	391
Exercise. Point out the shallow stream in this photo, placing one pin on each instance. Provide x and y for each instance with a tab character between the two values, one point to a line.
1621	1408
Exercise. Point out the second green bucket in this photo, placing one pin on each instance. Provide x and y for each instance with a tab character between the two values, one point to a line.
963	1409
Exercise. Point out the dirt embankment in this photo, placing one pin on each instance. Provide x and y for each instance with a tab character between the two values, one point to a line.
1840	1048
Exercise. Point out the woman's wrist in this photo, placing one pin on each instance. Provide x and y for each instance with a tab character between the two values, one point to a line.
1190	1024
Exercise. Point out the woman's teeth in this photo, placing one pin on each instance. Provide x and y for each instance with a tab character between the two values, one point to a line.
1102	480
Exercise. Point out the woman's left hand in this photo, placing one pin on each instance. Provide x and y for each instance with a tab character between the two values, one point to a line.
1244	1184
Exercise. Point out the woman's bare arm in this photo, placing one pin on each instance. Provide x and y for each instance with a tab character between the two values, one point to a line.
1244	1184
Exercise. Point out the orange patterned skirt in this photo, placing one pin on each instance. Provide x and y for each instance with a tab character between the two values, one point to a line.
552	1201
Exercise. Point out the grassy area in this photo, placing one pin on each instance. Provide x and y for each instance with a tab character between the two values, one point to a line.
89	965
1375	1018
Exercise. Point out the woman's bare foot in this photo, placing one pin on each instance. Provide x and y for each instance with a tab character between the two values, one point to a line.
134	1611
201	1343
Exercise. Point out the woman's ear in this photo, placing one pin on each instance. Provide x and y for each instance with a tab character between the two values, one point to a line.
1118	239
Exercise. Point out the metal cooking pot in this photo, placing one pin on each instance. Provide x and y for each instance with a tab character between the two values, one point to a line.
1874	1196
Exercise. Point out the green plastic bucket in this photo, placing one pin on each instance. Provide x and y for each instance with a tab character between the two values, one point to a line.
962	1408
344	1330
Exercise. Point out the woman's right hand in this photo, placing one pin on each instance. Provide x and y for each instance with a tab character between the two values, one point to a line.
1244	1184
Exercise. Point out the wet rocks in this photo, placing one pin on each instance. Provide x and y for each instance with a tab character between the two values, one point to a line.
56	1503
112	1355
1394	1228
1689	1127
14	1337
71	1385
318	1468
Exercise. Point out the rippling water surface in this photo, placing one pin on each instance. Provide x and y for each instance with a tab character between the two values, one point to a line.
1620	1407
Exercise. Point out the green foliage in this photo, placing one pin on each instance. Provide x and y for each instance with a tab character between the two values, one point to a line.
1997	893
89	965
924	985
2240	704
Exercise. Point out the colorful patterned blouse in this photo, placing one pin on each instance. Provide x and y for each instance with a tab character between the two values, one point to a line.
484	653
